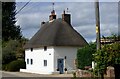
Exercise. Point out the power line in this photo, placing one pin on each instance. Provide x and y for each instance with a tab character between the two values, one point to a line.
32	6
23	7
28	9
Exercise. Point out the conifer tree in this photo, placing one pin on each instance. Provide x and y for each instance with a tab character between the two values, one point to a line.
9	29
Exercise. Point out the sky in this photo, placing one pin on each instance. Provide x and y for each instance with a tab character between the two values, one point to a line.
82	17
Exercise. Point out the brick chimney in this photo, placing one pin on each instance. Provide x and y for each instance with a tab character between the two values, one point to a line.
66	17
52	16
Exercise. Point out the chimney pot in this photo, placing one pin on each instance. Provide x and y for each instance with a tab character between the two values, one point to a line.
52	16
42	23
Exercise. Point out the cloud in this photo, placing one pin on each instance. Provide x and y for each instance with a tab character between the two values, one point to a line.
109	12
29	32
88	32
31	20
82	16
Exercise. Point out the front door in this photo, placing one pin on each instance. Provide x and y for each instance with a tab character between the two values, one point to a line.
61	65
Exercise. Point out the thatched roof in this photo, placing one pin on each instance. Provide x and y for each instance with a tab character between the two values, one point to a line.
56	33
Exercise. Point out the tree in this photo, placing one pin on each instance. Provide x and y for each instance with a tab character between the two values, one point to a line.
9	29
109	55
12	40
12	50
84	55
20	50
8	53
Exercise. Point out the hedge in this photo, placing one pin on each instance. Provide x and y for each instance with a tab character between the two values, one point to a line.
84	56
16	65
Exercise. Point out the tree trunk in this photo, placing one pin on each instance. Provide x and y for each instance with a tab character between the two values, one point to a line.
102	75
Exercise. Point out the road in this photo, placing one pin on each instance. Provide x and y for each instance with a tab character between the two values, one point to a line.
22	75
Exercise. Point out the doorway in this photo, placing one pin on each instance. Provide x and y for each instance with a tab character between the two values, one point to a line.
61	65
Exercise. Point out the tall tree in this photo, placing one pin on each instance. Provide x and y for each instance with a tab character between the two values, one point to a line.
9	29
109	55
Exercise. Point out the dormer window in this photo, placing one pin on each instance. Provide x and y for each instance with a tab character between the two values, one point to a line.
45	48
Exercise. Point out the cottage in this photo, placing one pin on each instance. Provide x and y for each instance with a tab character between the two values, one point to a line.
54	47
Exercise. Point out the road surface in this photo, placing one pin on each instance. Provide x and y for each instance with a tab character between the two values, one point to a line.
22	75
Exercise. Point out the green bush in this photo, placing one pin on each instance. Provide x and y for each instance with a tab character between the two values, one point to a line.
9	51
4	67
84	56
16	65
108	55
7	56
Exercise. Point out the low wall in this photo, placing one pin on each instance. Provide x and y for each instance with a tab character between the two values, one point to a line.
83	73
110	72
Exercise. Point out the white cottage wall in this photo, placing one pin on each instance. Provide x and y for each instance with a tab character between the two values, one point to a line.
69	52
38	55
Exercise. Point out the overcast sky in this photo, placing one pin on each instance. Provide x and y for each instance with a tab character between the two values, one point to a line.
83	17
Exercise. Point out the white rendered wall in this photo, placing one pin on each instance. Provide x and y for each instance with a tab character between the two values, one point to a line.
69	52
39	55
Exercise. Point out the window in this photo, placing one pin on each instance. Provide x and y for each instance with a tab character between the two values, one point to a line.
31	49
31	61
45	62
27	61
45	48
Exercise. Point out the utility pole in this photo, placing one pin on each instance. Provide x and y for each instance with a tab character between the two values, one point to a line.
98	30
97	24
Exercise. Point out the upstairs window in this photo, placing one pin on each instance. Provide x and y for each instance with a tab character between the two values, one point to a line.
31	49
45	48
45	62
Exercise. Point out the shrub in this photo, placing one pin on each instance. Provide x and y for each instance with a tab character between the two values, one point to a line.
16	65
74	75
108	55
7	56
4	67
8	51
84	56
